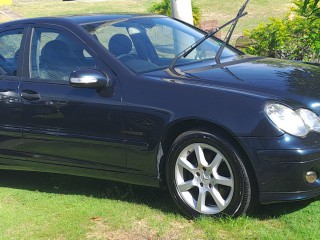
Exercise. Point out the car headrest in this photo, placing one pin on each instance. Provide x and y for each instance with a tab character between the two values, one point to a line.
55	52
120	44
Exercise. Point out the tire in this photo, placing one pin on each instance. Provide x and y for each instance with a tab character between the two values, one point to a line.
206	176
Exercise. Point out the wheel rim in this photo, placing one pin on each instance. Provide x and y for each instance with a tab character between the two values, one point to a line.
204	178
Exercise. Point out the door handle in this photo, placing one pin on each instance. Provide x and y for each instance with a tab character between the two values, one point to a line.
30	95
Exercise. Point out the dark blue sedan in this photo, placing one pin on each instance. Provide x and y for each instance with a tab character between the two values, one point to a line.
107	97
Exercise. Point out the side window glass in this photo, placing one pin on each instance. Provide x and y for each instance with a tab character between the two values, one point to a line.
55	55
10	43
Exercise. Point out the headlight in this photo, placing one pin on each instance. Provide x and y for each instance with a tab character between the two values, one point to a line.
310	119
286	119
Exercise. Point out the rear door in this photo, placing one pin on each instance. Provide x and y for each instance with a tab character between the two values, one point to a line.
66	126
11	42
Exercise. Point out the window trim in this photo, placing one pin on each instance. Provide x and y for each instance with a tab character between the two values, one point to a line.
63	30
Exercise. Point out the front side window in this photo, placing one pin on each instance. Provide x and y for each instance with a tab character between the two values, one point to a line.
10	44
151	43
55	55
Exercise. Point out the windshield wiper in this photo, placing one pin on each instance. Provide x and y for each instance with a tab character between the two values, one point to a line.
189	49
230	32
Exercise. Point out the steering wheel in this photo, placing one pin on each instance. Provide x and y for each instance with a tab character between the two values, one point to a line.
125	57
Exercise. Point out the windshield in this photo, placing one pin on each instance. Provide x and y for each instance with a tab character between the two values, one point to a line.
151	43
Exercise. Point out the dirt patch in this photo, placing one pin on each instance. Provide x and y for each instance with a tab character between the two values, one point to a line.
4	18
8	14
101	230
140	230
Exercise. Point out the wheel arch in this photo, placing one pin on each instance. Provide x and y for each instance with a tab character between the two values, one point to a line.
174	130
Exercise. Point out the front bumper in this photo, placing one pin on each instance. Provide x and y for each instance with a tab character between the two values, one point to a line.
272	197
281	164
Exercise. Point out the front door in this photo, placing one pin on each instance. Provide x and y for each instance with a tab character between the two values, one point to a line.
66	126
10	104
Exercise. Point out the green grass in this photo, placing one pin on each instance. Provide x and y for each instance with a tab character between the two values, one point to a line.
259	10
50	206
47	8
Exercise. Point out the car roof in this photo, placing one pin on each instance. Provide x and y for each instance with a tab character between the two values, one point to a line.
99	18
77	19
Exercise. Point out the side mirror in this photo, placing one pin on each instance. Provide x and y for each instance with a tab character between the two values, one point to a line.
88	78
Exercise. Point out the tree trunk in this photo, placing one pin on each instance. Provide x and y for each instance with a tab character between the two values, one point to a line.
182	10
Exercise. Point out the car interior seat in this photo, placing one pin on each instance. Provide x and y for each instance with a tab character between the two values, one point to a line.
120	45
56	61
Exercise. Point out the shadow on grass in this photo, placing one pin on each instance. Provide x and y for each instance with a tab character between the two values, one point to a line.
275	210
97	188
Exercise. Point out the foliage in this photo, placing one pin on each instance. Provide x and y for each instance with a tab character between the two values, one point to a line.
196	13
164	7
307	8
295	37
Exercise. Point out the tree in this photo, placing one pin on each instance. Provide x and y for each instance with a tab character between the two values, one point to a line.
308	8
295	37
164	8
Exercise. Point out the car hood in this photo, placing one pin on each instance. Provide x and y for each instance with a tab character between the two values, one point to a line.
294	83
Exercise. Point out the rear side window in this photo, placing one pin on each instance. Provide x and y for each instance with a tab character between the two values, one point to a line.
10	44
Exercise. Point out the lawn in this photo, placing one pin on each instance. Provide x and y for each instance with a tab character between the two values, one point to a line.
50	206
259	10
